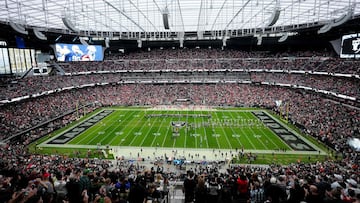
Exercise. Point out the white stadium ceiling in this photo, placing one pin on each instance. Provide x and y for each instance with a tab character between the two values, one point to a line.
237	17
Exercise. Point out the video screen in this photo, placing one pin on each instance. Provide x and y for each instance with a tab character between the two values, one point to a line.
350	46
78	52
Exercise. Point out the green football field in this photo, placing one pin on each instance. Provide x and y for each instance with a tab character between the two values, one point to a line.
221	129
253	129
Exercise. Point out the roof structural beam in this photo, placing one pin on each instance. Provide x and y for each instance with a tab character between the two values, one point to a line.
239	11
157	5
199	17
275	15
218	14
132	3
126	16
87	16
100	13
261	23
181	17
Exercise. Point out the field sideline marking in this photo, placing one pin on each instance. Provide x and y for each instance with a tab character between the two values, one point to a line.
132	129
295	133
223	111
217	139
226	137
130	121
158	131
245	135
166	134
272	132
122	121
263	134
95	131
195	137
148	131
205	135
76	125
237	138
110	133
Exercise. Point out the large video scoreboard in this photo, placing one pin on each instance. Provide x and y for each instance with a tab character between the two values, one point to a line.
350	46
78	52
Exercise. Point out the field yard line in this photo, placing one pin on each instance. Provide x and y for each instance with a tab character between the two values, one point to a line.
148	132
115	128
252	144
207	144
123	120
134	138
195	137
72	127
217	139
89	135
292	131
227	139
167	131
237	138
271	139
129	123
163	119
187	116
266	147
94	137
92	134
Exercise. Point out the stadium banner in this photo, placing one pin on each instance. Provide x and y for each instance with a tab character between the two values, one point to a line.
350	46
78	52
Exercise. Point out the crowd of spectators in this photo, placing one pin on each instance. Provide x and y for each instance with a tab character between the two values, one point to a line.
340	85
40	178
328	120
316	63
28	177
203	53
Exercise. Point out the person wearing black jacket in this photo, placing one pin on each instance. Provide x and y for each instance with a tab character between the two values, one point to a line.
189	187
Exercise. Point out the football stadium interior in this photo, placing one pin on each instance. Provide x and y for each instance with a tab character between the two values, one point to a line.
179	101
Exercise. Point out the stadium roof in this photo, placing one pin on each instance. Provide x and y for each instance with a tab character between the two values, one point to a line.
147	18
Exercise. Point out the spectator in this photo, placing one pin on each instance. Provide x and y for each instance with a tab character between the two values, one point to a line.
201	191
189	187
